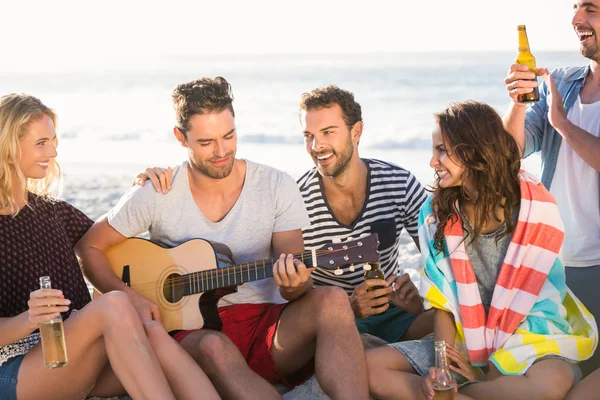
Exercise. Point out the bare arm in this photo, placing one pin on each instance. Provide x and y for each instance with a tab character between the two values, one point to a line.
15	328
443	326
44	305
514	123
292	283
91	248
517	82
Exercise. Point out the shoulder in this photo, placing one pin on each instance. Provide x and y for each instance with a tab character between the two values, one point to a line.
267	176
389	173
567	74
308	180
58	206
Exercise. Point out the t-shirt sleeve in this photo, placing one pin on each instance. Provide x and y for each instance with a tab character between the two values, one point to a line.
134	212
414	199
76	223
290	211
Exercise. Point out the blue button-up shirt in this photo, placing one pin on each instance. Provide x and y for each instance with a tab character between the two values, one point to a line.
539	134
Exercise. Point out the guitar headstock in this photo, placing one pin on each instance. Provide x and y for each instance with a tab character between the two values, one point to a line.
362	250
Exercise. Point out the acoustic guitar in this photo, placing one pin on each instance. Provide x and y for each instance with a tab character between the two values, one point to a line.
187	281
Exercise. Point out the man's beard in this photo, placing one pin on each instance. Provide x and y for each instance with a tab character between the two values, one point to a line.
343	160
215	172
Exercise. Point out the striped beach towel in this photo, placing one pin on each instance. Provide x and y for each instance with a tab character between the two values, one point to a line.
533	314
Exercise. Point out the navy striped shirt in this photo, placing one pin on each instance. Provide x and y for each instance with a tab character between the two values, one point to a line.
394	197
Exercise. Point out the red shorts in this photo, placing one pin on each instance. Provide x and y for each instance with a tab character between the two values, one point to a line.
252	327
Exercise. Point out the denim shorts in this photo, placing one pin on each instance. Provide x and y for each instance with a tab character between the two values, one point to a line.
8	378
421	355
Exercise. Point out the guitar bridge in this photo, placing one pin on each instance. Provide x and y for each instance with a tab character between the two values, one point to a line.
125	277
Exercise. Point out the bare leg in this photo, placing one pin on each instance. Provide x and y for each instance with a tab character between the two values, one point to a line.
371	341
392	377
421	327
227	369
321	324
589	388
184	375
546	380
108	329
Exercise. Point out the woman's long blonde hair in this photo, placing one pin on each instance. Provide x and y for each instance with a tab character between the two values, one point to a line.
17	112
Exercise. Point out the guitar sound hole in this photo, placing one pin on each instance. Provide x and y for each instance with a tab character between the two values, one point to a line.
173	288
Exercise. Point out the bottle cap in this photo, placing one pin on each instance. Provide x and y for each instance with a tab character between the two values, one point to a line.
520	27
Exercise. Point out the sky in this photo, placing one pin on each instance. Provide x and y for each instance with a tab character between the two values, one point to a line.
60	34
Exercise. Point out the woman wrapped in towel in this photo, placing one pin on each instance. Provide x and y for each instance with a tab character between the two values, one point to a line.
490	237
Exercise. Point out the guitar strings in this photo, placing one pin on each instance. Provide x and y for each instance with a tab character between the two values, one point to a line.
217	274
223	273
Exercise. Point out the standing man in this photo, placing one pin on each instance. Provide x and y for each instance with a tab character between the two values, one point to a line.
274	329
565	126
348	196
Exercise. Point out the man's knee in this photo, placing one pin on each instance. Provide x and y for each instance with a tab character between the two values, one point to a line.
333	303
218	354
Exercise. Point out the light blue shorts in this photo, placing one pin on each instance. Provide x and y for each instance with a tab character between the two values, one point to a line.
9	372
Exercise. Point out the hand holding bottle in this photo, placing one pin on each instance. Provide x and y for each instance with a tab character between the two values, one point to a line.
370	298
45	305
519	81
462	365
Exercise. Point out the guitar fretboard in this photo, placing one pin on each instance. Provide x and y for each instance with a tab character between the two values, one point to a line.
202	281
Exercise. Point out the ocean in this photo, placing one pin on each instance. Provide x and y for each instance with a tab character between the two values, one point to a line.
116	118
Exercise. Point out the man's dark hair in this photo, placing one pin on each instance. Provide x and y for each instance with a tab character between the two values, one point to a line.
202	96
328	96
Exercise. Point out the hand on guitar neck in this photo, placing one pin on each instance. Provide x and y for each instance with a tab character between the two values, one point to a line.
291	274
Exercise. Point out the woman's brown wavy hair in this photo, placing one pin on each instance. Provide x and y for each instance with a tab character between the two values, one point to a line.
473	132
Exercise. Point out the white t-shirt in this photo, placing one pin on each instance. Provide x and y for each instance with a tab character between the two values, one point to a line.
269	202
575	188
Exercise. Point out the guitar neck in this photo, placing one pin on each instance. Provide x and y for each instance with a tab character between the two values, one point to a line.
202	281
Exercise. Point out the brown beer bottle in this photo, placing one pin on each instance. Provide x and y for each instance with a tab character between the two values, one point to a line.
443	385
526	58
374	272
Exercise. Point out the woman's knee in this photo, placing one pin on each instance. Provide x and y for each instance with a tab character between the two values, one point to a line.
115	304
555	382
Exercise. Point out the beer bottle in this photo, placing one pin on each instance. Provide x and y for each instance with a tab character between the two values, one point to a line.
526	58
373	271
443	385
52	334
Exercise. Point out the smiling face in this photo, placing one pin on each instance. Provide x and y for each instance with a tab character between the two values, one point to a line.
448	168
38	148
329	141
586	23
211	142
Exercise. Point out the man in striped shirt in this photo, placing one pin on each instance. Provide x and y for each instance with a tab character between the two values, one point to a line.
346	197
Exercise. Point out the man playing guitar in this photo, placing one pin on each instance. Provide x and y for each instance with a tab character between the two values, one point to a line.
274	330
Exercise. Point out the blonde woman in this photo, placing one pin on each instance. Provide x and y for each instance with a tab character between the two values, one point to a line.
110	352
